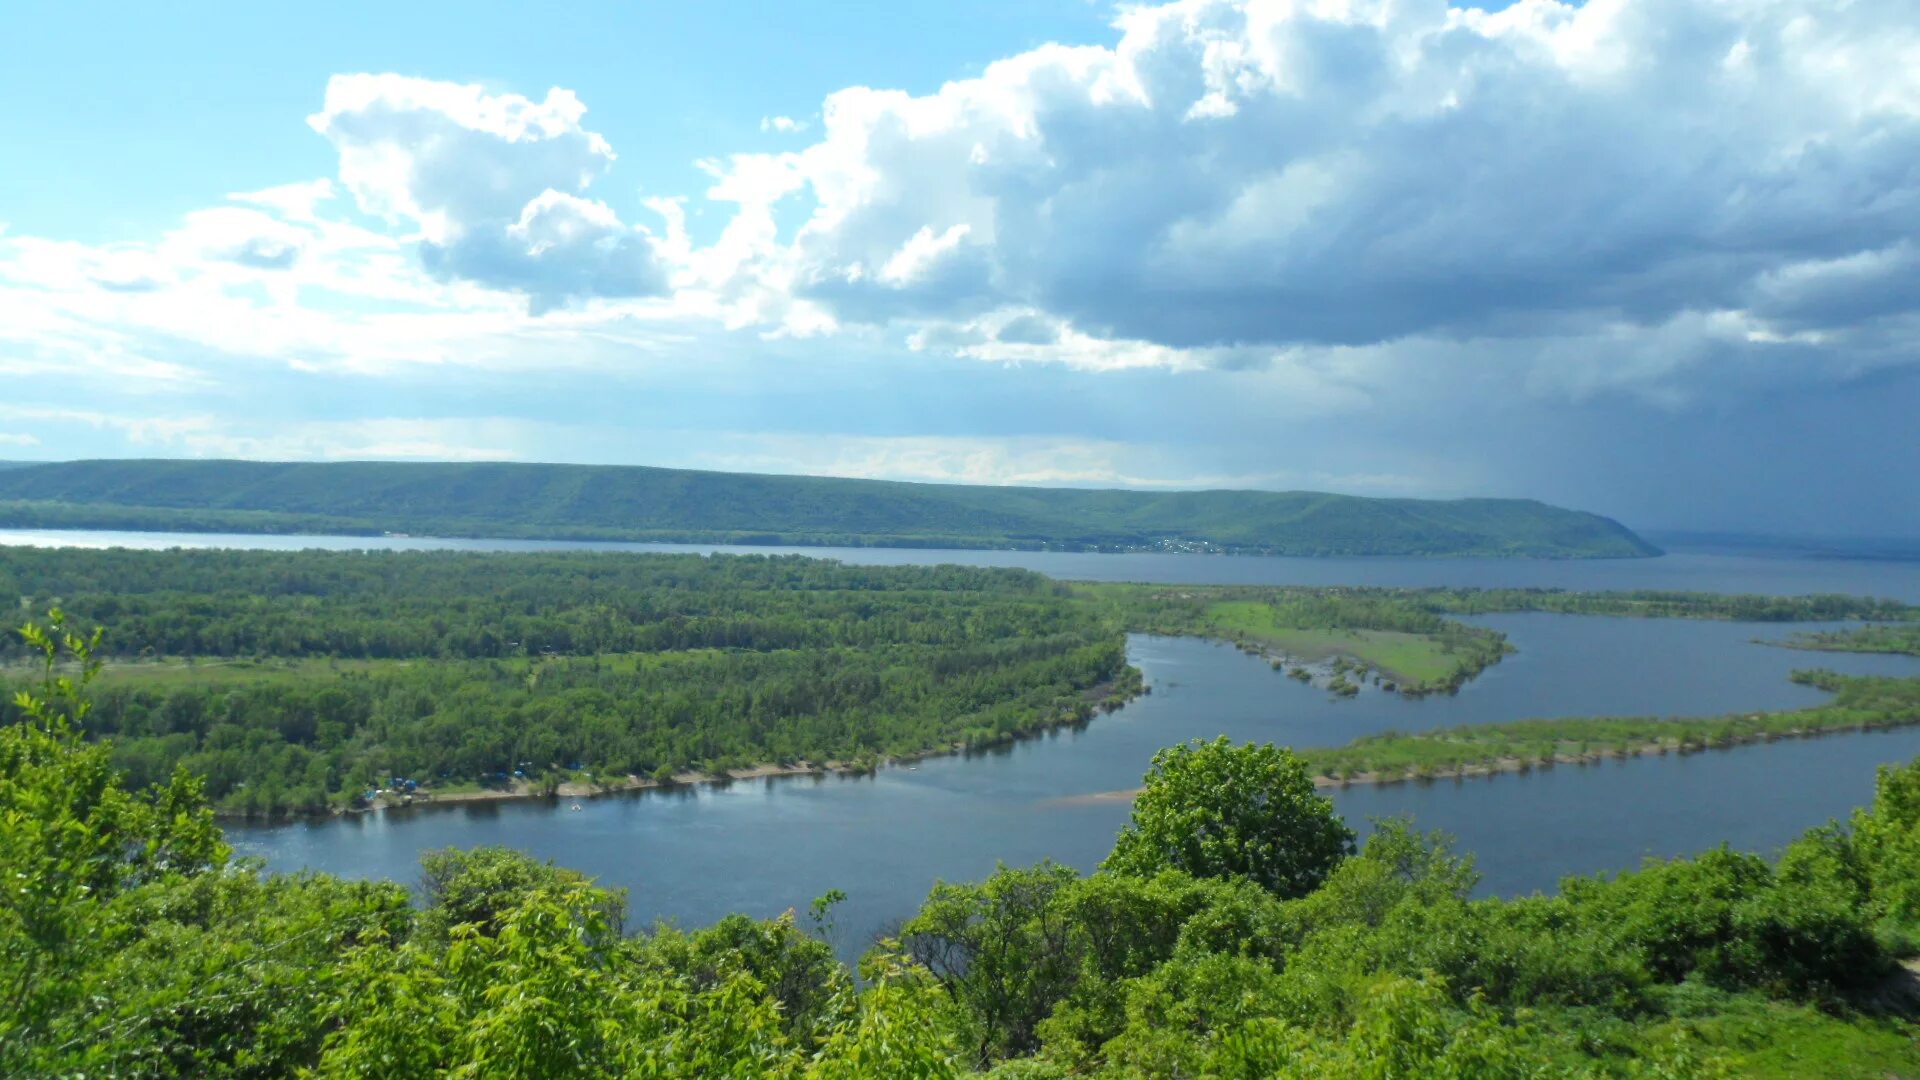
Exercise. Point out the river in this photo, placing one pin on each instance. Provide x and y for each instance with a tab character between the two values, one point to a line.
1705	571
761	847
693	854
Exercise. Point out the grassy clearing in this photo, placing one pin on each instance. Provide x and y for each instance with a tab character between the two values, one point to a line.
1764	1040
1413	659
1418	650
1861	703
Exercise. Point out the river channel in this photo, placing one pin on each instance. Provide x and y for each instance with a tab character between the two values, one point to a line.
694	854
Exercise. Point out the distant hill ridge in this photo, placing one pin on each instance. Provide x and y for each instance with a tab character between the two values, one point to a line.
598	502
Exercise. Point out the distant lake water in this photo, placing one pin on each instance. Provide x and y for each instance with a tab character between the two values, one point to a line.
1693	570
694	854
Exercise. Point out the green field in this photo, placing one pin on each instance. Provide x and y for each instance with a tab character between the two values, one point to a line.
1412	660
1389	632
1780	1041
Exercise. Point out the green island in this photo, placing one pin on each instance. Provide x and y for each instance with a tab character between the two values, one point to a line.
299	683
1878	638
1860	703
1397	638
1234	932
308	681
633	503
1660	604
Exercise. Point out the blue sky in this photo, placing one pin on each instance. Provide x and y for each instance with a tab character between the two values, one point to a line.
1656	259
198	96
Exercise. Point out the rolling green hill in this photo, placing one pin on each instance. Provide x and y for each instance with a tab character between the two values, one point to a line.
581	502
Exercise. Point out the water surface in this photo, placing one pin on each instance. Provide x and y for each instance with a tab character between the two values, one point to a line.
1695	570
694	854
765	846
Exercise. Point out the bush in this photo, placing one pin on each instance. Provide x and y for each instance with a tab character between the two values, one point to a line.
1220	811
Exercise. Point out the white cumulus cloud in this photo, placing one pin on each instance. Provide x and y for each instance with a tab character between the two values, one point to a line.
492	183
1237	174
1361	214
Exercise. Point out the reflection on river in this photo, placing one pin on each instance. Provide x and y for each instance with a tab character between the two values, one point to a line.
761	847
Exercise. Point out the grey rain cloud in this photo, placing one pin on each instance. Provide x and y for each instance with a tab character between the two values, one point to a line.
1238	174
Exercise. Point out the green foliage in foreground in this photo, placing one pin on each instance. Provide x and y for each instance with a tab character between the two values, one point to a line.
130	946
1861	703
1215	810
581	502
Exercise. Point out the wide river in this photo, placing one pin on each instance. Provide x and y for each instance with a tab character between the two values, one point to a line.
764	846
1702	571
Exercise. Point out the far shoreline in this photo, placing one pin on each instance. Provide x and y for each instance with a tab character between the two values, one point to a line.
563	541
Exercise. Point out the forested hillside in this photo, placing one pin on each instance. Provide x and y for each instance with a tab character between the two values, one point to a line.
635	503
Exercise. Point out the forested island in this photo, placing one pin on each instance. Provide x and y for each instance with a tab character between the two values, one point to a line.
1882	638
297	682
312	682
1860	703
634	503
1233	932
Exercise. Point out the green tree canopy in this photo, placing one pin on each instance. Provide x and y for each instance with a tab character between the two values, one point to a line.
1220	810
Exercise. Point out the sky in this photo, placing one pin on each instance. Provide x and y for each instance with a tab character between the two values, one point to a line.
1658	259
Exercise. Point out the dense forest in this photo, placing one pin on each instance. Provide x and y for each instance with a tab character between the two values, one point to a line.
295	682
300	682
303	739
579	502
452	605
1233	933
